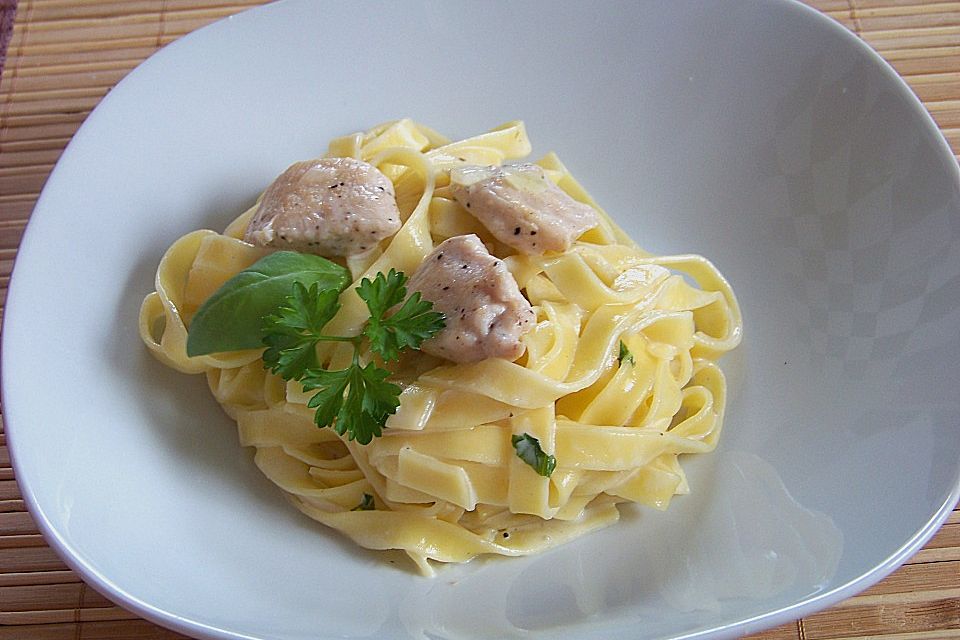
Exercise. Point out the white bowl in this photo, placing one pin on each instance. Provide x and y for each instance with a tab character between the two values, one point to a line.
759	134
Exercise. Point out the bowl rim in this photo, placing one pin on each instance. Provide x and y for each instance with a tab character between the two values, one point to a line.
187	626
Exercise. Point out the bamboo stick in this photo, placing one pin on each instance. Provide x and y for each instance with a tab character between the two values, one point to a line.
866	9
51	105
927	63
49	616
935	86
869	619
12	506
930	554
127	53
9	240
59	129
39	597
28	198
953	136
119	20
787	631
902	598
20	559
868	4
90	597
110	630
101	80
913	38
939	634
37	50
947	536
28	154
9	489
13	122
917	577
17	523
56	95
21	541
18	210
22	184
77	9
66	631
37	577
175	23
825	6
930	52
63	66
868	21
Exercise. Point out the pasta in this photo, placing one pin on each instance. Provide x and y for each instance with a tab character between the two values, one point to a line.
618	378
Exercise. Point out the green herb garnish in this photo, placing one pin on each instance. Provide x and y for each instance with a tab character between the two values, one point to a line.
231	319
355	401
366	503
625	354
410	325
292	333
528	449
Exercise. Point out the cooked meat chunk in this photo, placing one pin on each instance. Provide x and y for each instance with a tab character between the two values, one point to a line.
485	312
328	206
522	207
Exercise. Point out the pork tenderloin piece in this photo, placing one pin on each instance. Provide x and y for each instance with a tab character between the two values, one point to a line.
485	312
333	207
521	206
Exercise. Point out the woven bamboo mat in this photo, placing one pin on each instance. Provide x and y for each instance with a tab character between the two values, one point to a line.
66	54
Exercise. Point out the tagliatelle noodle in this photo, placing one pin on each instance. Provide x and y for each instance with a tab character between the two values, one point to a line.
446	480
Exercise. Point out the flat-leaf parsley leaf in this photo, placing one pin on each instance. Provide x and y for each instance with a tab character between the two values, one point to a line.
292	333
407	327
355	401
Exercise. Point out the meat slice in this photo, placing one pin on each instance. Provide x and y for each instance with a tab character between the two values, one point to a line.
328	206
522	207
485	312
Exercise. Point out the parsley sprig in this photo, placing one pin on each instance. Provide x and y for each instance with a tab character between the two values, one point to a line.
355	401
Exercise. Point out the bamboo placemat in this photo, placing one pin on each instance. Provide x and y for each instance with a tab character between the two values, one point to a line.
66	54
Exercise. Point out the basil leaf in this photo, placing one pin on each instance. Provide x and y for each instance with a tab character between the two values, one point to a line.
232	318
528	449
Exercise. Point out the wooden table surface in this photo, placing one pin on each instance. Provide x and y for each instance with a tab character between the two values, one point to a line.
66	54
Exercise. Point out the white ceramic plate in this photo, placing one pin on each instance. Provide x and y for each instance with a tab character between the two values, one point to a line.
760	134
